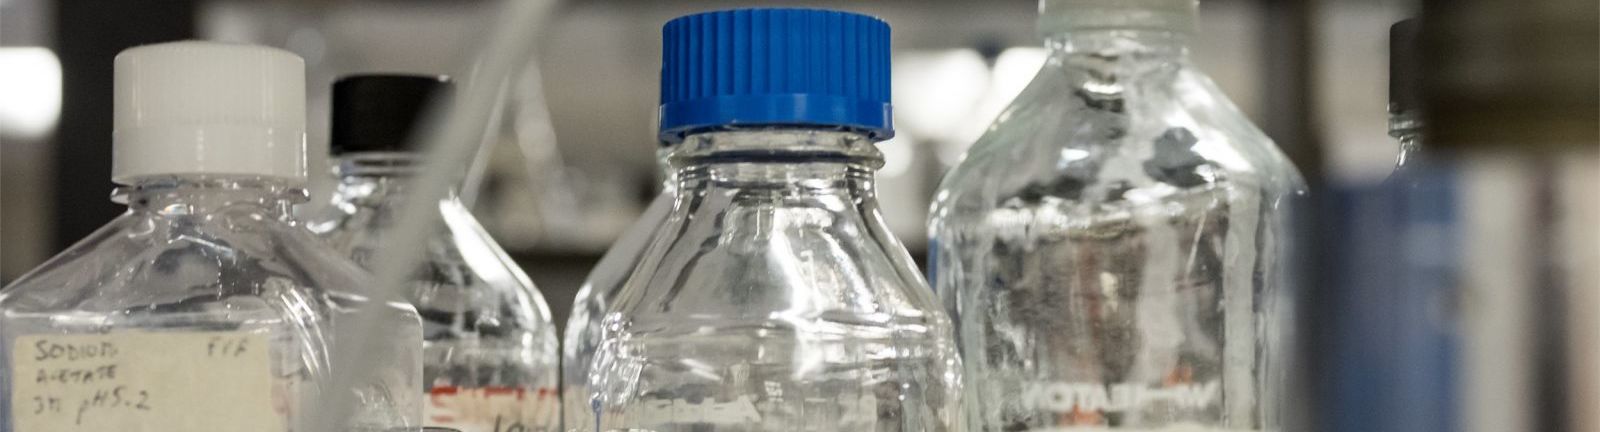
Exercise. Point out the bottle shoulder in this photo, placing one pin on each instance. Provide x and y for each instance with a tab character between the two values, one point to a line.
605	282
459	252
148	261
775	266
614	267
770	334
465	288
1062	140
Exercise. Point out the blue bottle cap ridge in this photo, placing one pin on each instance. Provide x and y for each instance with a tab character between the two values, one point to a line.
775	67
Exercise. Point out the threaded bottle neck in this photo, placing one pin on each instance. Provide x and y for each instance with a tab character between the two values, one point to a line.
207	194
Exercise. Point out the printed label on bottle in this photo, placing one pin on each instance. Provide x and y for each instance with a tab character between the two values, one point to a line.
1101	398
743	410
1082	407
740	410
1172	428
492	409
166	381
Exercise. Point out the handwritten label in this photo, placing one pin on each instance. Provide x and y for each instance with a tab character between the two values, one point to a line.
144	381
492	409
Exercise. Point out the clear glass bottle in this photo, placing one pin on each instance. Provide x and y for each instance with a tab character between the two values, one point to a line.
774	297
599	290
785	300
1113	248
206	306
489	347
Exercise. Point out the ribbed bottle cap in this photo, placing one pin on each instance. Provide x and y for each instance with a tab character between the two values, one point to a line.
208	108
1057	16
378	113
775	67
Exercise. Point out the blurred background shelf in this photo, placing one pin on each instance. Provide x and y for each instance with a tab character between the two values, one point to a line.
573	160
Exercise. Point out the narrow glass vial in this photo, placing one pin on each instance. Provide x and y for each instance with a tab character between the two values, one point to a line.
1424	283
489	346
1388	257
1112	250
599	290
206	306
774	297
1405	99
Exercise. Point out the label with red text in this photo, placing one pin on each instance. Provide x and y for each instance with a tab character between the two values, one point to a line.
492	409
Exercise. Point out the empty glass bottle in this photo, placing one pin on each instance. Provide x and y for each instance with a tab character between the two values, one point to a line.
206	306
1113	249
774	297
489	347
599	290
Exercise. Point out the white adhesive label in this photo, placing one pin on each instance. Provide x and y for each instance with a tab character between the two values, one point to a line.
494	409
144	381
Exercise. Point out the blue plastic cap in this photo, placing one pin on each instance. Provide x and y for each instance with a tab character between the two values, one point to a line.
775	67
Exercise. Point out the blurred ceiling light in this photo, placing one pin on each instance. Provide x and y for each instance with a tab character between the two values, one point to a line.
950	97
30	91
1013	70
898	155
934	91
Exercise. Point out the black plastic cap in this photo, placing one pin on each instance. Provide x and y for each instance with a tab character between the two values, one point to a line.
1405	69
378	113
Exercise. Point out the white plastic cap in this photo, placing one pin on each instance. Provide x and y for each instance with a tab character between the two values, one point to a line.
209	108
1057	16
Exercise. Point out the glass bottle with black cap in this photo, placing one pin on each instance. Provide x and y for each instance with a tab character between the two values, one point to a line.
490	351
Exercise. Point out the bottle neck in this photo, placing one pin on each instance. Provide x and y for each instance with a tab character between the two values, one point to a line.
1406	127
783	160
1113	69
379	180
669	176
1120	45
206	194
